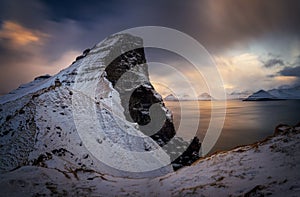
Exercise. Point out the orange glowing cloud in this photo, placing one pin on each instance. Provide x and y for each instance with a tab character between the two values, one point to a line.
19	35
286	79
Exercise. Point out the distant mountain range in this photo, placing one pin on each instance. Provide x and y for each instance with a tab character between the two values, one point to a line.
202	97
261	95
275	94
238	95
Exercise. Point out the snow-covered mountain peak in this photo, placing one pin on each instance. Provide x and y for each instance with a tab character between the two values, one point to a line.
260	95
123	42
92	115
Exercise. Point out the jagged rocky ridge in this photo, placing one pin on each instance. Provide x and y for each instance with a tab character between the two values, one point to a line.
38	126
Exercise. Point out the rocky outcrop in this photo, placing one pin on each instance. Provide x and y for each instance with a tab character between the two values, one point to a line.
189	156
138	95
128	74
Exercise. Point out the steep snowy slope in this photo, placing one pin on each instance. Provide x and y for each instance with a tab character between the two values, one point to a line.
267	168
96	115
40	121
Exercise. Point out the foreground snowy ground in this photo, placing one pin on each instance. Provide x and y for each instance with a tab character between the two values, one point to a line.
270	167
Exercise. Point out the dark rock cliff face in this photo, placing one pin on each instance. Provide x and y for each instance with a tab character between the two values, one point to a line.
137	97
143	105
124	63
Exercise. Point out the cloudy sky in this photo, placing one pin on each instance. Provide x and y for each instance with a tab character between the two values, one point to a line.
255	44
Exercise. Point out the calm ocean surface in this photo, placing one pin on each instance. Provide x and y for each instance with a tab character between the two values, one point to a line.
245	122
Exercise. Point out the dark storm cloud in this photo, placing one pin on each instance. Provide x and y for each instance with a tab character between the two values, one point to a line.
290	71
76	25
235	22
85	11
31	13
273	62
216	25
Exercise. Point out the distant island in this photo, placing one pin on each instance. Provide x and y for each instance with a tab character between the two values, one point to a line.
205	97
261	95
171	97
202	97
275	94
